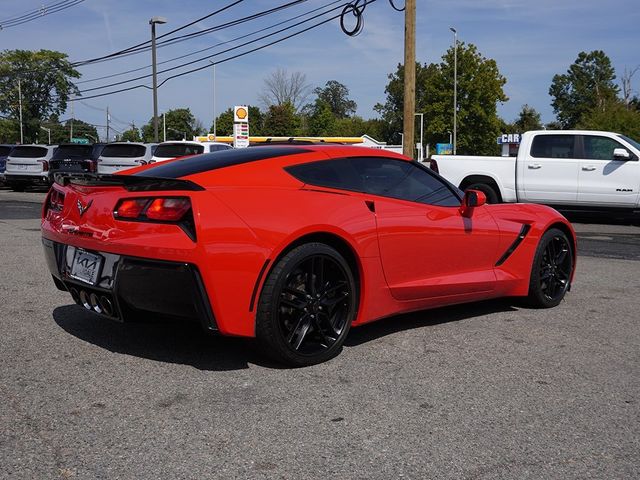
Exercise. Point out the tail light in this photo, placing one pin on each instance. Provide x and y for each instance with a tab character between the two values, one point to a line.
45	165
54	202
91	165
433	165
158	210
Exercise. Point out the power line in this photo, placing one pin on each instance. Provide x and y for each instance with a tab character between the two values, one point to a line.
147	42
113	75
141	77
39	13
261	47
144	47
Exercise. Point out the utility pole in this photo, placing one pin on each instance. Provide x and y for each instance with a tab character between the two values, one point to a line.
455	89
108	118
20	102
153	22
408	148
164	126
71	128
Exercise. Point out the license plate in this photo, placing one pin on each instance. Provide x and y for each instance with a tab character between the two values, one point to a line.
86	267
22	167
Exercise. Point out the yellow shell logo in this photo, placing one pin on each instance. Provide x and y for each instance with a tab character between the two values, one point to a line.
241	113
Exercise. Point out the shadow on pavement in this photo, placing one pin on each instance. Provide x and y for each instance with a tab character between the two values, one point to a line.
187	344
426	318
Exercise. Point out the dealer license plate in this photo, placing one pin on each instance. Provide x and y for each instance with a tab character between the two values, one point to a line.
86	267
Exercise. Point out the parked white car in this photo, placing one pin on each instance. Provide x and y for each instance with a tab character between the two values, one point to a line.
28	165
572	170
180	148
119	156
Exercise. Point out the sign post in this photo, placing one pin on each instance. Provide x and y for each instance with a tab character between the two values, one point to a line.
240	126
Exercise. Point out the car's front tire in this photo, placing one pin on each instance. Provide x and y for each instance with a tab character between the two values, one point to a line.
307	305
551	270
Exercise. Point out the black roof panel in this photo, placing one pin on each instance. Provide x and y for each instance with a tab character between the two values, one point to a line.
212	161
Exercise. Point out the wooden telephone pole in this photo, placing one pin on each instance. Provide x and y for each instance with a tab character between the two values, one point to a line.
409	78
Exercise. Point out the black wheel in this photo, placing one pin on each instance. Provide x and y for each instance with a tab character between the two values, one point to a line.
551	271
18	187
488	190
306	306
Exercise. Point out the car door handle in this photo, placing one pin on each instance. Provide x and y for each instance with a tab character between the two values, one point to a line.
589	168
534	166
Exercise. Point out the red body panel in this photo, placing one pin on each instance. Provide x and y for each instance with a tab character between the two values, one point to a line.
410	256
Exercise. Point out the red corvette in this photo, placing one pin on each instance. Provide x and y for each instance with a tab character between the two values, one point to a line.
294	244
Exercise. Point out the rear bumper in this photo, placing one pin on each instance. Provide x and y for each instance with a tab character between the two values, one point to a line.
130	288
39	178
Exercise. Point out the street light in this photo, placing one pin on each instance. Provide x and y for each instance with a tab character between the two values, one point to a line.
214	98
153	22
421	156
450	141
48	130
455	87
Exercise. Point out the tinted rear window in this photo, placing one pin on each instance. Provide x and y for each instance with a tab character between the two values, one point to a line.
217	148
553	146
213	161
124	151
29	152
178	150
4	151
73	151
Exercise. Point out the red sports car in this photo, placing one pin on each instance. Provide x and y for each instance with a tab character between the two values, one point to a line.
294	244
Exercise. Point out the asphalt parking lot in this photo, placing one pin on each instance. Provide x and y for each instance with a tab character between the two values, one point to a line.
489	390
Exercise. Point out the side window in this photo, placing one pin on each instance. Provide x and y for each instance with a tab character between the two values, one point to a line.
386	177
599	148
389	177
553	146
328	173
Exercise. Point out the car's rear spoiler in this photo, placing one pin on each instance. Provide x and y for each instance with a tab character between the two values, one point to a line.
130	182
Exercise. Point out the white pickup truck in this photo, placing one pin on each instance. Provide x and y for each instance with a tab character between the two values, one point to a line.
570	169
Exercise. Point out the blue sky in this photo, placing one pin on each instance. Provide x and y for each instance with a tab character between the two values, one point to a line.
530	40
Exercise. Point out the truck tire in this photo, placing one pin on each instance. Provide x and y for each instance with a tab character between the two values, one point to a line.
488	190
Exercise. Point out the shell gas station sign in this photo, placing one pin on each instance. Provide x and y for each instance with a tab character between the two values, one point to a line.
240	126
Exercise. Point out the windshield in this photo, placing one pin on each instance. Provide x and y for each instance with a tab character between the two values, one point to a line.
631	141
173	150
4	151
29	152
124	151
72	151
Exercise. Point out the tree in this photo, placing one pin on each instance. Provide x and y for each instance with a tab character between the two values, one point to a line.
281	121
180	124
587	85
131	135
281	88
528	119
61	132
321	121
9	131
479	91
45	83
336	96
614	117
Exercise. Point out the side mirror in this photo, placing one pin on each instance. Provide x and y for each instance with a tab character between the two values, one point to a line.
471	199
621	154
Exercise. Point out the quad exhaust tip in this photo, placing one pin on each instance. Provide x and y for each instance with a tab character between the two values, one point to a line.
92	302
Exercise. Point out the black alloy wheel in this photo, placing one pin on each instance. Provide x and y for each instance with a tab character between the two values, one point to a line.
307	305
552	268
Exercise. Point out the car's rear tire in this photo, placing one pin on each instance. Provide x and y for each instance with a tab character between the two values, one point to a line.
488	190
306	307
551	270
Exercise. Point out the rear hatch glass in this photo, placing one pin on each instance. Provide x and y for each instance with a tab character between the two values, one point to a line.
173	150
73	151
123	151
29	152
